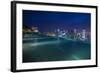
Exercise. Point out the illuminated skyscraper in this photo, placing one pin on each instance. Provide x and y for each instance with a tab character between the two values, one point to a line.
75	34
83	35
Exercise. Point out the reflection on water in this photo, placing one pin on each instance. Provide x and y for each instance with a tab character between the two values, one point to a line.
40	48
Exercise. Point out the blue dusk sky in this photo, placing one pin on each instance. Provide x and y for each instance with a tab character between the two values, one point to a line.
48	21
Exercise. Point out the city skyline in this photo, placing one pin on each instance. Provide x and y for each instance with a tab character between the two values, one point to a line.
48	21
56	36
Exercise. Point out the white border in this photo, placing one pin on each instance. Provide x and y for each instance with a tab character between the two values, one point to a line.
38	65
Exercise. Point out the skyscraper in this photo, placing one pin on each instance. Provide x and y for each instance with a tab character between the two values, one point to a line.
83	34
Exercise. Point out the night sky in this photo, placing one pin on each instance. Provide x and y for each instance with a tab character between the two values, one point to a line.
48	21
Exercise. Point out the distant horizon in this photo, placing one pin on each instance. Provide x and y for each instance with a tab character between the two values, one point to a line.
47	21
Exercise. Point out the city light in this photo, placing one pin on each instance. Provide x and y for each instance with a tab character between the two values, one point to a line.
74	35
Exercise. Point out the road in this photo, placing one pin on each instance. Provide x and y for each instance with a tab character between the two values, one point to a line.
40	48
